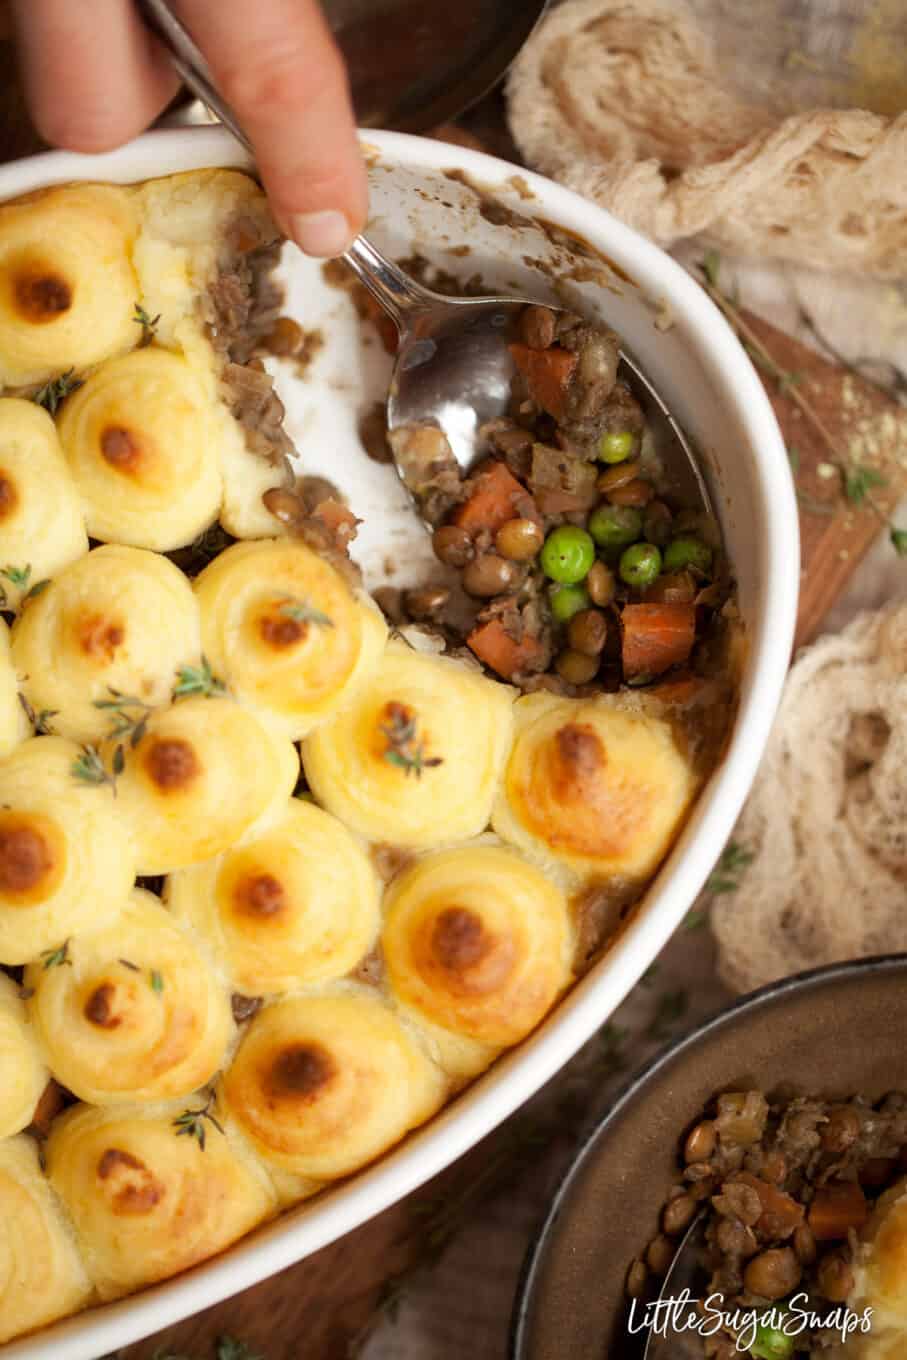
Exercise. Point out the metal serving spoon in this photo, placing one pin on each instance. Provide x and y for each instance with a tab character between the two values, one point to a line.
453	368
675	1342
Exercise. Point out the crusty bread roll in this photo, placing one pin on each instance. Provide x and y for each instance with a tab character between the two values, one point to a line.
41	523
416	758
21	1062
286	633
67	287
296	904
478	944
120	619
146	1198
42	1277
66	858
202	774
14	725
592	788
139	440
139	1015
321	1085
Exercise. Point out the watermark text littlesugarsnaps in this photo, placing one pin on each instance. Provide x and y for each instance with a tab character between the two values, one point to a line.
684	1313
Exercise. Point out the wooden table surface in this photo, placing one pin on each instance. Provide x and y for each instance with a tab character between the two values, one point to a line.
320	1306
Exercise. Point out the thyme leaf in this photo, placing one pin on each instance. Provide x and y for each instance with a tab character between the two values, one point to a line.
149	324
37	589
727	873
157	981
58	389
669	1008
859	481
191	1123
302	612
710	266
404	748
40	721
20	578
197	680
55	958
228	1348
130	715
898	540
89	768
17	576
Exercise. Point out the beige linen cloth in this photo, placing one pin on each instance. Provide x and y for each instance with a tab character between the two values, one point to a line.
625	101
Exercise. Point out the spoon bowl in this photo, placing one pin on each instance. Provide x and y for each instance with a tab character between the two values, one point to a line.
454	369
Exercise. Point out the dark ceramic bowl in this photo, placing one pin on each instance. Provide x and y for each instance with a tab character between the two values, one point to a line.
833	1032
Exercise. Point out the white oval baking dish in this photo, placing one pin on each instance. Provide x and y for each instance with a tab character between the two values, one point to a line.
691	354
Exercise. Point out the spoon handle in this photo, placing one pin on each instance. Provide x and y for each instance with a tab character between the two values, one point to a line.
398	294
189	62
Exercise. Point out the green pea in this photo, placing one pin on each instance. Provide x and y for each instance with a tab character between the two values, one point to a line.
771	1343
614	526
687	551
567	555
640	564
567	601
616	447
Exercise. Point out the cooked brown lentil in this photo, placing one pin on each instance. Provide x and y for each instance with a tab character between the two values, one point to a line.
489	575
587	632
773	1176
576	668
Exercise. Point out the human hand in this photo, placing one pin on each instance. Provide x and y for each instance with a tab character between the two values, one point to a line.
95	77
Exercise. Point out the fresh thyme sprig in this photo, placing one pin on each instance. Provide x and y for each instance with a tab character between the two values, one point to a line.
724	878
20	578
191	1123
40	721
302	612
17	576
225	1348
197	680
57	390
896	388
669	1008
55	958
228	1348
89	768
856	479
149	324
404	748
130	715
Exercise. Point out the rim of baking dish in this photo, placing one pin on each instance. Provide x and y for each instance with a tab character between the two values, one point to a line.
514	1078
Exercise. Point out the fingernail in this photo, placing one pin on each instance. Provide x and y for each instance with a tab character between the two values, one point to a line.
321	233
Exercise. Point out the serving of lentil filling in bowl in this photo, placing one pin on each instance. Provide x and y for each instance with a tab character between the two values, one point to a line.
394	812
769	1148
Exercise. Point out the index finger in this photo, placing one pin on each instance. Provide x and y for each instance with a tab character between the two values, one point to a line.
277	64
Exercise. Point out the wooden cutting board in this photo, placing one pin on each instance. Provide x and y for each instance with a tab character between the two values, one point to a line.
320	1307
